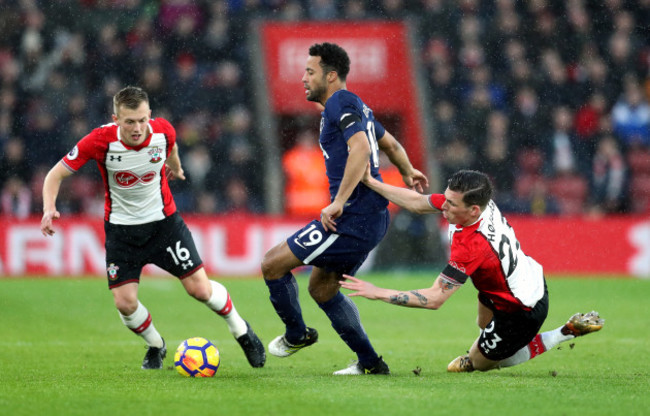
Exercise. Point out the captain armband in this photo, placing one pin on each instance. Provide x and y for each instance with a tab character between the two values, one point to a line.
453	276
347	120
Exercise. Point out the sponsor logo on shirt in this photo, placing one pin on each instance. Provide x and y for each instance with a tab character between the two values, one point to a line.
127	179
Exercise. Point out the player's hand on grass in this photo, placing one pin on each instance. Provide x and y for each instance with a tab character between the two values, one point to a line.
359	287
46	222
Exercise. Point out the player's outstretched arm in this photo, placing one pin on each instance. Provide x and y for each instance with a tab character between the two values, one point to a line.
431	298
403	197
412	177
51	187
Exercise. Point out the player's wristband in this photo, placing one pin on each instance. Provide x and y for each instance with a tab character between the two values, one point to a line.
437	200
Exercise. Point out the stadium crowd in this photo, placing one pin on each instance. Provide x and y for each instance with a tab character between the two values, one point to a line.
548	97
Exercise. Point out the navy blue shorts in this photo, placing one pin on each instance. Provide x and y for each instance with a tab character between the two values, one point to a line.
345	250
167	243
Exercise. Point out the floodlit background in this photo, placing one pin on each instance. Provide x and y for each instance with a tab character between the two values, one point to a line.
550	98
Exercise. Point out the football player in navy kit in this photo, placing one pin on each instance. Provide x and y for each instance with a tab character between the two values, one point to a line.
349	227
134	154
512	300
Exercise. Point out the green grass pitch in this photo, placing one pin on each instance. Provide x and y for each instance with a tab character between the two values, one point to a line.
64	351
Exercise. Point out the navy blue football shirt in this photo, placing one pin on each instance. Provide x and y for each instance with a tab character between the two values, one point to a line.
344	115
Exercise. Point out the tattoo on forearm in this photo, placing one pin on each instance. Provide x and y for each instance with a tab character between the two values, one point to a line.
423	299
399	299
446	285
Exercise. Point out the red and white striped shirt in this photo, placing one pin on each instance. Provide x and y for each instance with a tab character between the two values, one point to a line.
136	187
488	252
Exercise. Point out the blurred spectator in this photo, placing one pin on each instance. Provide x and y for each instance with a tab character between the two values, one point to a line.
221	87
527	119
185	84
570	190
153	81
355	10
197	163
393	9
524	59
631	116
207	203
446	123
15	198
555	88
13	161
42	142
598	77
8	102
497	157
238	198
438	19
538	201
456	154
621	55
443	84
579	29
100	104
322	10
172	13
475	113
306	188
217	41
111	55
560	145
235	155
608	177
587	125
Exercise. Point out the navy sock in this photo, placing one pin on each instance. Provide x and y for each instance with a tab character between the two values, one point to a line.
284	298
346	322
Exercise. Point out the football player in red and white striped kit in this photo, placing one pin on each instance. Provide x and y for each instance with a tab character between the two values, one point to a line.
135	155
512	294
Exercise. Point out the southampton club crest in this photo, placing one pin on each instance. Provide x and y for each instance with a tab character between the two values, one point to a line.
112	271
156	154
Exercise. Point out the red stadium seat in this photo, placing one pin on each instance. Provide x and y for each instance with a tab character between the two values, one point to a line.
530	161
639	161
526	183
640	193
570	190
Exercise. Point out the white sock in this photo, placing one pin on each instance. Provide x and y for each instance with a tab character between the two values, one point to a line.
552	338
221	303
540	344
519	357
141	324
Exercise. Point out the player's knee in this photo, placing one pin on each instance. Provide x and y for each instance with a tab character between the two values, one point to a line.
266	266
199	289
315	292
125	305
199	293
270	266
126	299
321	293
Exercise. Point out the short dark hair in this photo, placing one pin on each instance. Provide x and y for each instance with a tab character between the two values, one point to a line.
332	58
129	97
475	186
